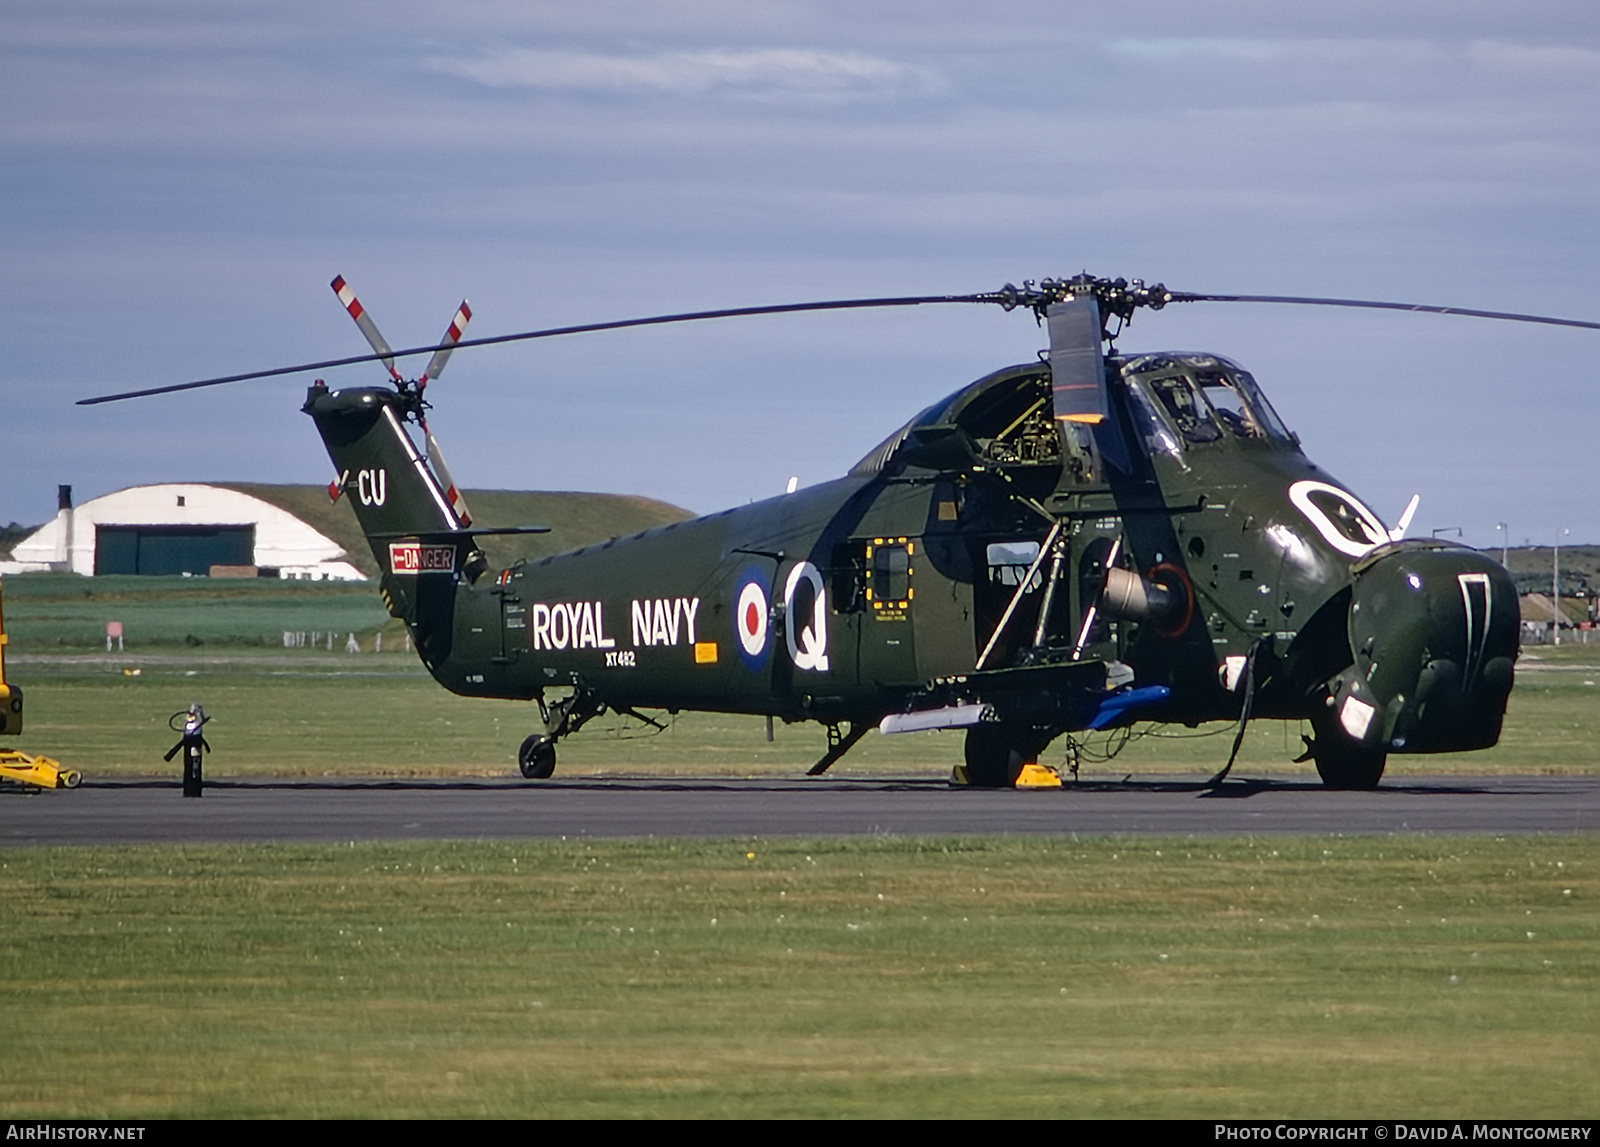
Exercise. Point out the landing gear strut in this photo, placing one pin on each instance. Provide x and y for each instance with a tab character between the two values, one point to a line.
537	756
838	745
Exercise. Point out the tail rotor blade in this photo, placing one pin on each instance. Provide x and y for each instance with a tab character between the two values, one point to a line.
364	321
452	493
458	327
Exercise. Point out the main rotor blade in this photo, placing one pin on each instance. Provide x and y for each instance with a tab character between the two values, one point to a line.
1077	365
1009	297
585	328
1422	308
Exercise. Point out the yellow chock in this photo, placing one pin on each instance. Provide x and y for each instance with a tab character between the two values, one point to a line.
1032	777
1035	776
45	772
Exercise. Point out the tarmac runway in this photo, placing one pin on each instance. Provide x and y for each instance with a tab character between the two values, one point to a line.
154	811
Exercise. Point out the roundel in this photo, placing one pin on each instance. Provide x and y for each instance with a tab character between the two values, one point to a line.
751	617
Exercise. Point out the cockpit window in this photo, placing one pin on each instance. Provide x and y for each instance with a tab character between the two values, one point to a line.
1207	399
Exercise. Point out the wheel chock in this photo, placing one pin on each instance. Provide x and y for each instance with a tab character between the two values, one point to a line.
1033	776
1036	776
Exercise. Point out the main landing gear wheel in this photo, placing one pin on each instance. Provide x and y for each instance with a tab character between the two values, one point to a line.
537	757
1341	763
995	755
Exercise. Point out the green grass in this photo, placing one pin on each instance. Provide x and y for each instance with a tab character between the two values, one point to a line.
335	713
1407	978
311	713
1358	978
54	612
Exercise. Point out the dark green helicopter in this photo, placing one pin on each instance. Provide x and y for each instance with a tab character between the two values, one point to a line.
1078	543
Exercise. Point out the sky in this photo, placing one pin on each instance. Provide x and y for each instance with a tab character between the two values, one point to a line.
182	178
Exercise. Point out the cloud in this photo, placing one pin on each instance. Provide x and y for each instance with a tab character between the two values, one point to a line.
1162	49
1534	60
800	71
1495	57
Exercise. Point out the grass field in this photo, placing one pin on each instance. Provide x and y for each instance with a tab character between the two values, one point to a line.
314	710
1333	977
315	713
1377	977
64	612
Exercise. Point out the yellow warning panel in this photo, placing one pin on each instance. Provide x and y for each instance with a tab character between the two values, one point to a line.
705	653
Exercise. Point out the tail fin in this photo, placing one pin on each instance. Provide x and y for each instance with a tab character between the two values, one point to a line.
391	487
415	533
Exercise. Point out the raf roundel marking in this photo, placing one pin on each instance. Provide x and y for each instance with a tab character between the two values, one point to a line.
751	618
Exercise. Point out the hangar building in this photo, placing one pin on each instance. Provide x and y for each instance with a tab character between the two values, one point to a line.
180	528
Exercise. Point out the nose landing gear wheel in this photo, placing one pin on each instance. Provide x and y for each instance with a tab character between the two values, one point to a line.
537	757
1341	763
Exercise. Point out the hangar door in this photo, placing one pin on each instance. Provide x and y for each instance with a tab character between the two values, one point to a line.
169	550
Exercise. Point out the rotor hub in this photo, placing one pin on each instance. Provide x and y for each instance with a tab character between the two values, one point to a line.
1119	297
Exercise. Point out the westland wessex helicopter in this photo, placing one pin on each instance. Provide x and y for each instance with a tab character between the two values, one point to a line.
1073	544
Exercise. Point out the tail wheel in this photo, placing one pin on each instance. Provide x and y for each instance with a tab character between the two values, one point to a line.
1343	764
537	757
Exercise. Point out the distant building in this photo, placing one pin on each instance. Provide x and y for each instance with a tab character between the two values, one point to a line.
180	528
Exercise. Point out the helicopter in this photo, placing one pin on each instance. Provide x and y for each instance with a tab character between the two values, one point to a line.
1083	542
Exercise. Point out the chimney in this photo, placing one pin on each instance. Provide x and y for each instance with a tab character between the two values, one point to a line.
63	555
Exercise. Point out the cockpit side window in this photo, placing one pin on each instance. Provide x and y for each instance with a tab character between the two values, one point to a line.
1266	418
1227	404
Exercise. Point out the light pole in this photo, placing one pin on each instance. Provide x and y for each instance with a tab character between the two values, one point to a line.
1505	541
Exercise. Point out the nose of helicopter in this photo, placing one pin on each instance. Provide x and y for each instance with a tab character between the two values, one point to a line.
1434	633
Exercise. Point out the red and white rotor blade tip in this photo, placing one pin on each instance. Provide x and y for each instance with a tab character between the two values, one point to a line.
441	470
458	327
364	321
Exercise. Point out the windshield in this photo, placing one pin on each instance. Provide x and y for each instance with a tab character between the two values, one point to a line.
1207	399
